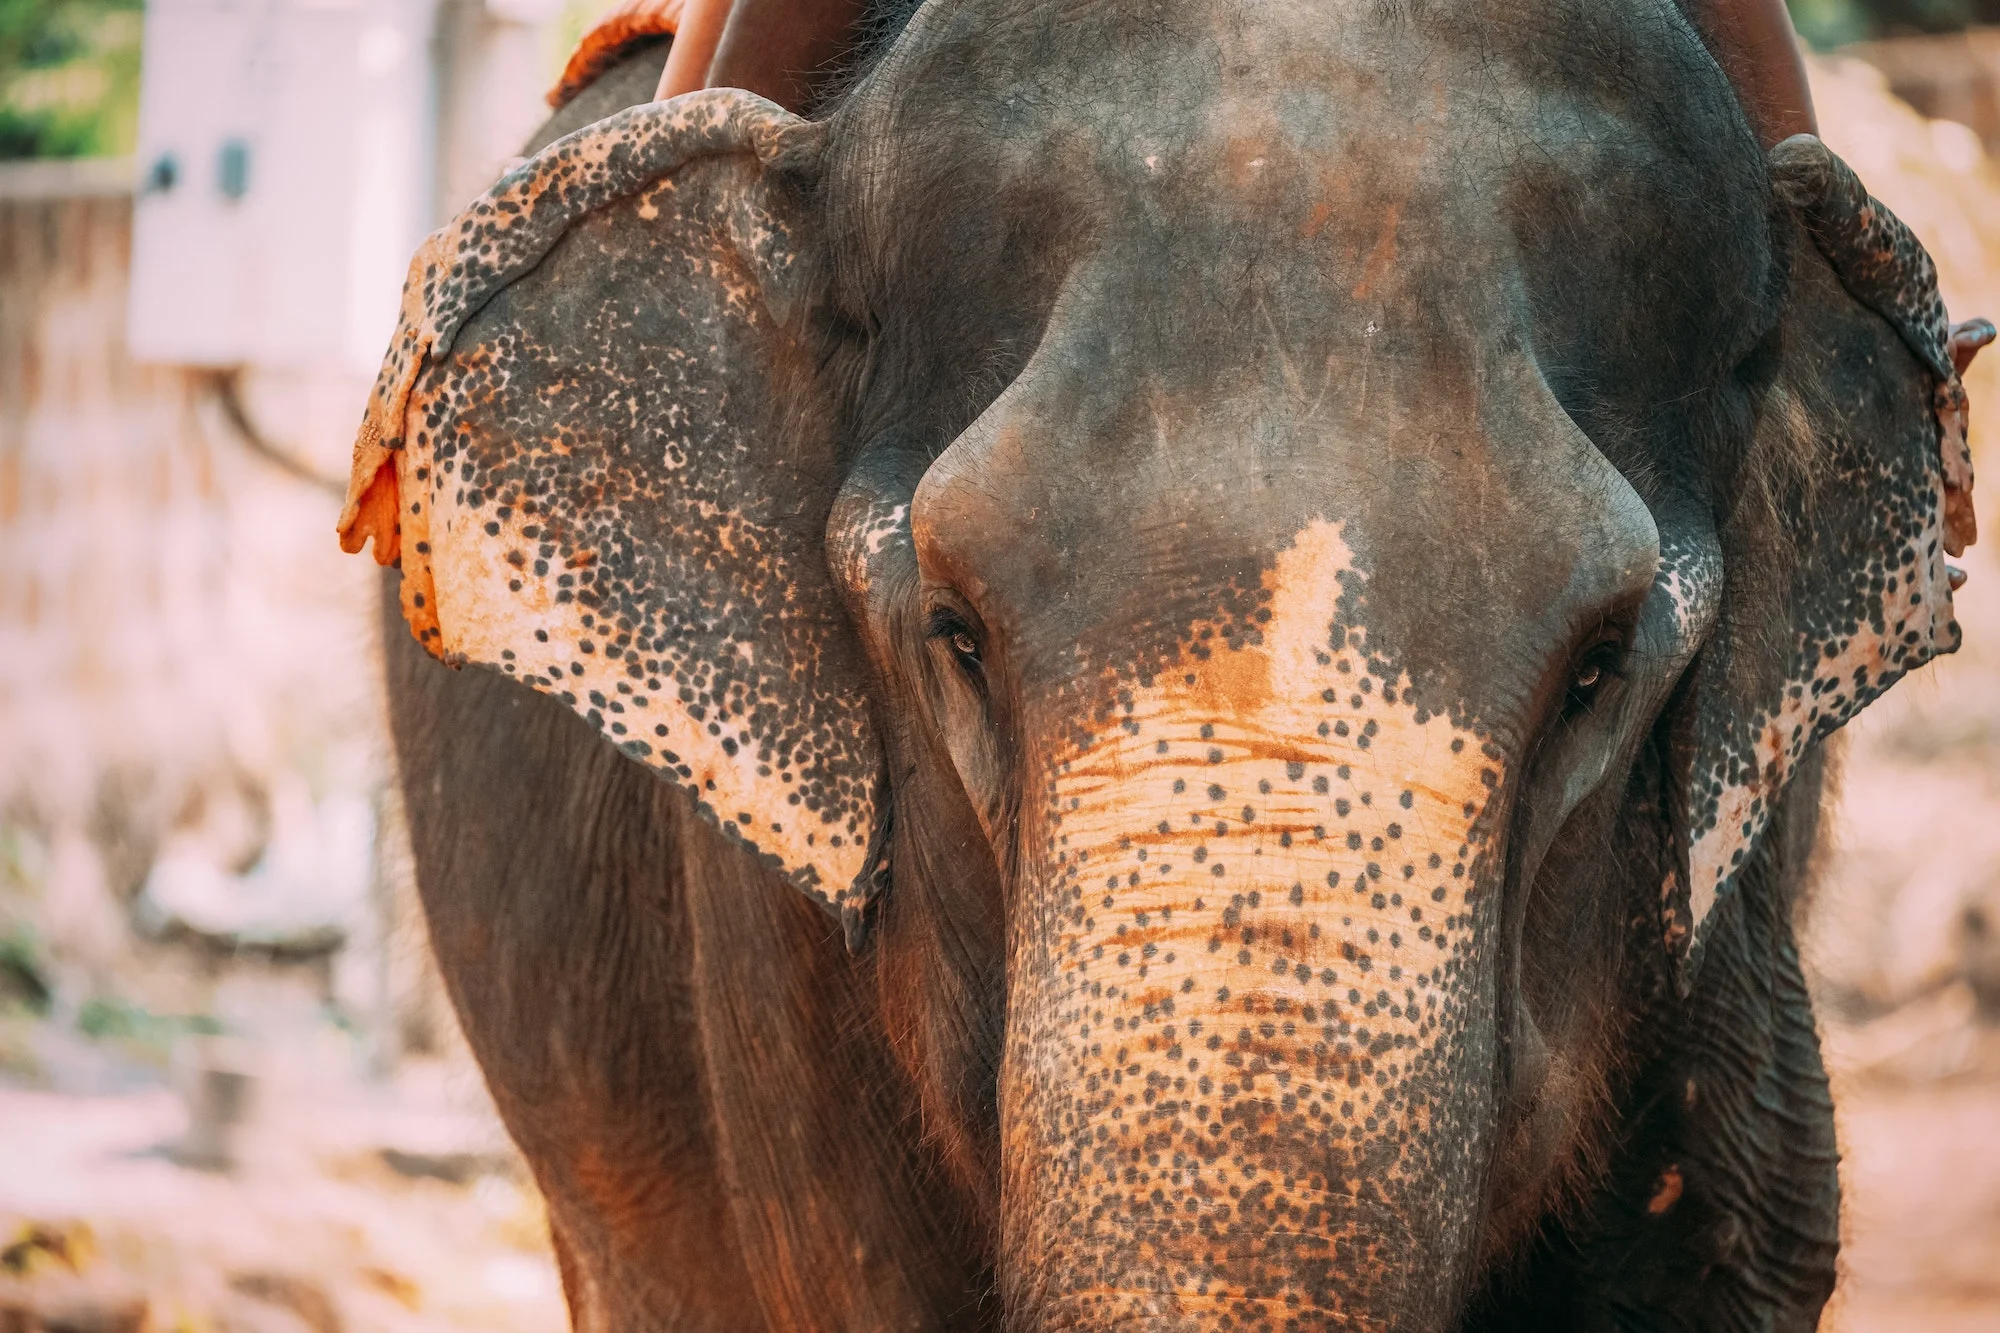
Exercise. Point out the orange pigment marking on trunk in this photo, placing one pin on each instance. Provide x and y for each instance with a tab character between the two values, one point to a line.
1243	158
1382	258
1667	1192
1210	1304
1334	199
1264	874
1322	213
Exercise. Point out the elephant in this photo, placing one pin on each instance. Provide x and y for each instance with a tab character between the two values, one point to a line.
1168	667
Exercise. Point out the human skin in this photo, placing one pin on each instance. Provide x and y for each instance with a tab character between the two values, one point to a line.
1759	49
784	49
702	24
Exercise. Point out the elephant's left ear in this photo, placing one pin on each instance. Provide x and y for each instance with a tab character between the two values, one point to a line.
600	452
1859	484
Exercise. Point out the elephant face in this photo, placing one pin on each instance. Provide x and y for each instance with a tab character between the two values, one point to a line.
1259	547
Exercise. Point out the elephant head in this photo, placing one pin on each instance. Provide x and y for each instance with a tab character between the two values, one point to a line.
1274	561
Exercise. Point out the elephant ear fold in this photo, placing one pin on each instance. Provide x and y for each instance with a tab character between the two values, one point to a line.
1885	268
1858	485
598	450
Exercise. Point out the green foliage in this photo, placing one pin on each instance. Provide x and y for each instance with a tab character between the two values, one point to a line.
1825	23
69	77
108	1018
22	980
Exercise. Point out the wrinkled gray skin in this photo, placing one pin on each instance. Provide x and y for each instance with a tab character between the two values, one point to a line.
1309	492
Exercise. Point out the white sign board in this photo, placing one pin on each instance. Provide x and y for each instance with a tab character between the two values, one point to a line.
284	158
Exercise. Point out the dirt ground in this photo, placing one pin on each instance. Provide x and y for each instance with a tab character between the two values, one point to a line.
399	1208
1923	1209
1916	1066
389	1208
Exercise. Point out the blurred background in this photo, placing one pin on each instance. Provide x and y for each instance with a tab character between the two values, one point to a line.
232	1096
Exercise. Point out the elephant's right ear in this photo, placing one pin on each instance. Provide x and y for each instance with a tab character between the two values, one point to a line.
1860	486
600	452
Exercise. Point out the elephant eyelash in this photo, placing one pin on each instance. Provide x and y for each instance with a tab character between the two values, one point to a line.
947	625
1597	668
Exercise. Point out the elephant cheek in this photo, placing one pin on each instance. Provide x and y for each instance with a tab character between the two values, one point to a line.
1250	1042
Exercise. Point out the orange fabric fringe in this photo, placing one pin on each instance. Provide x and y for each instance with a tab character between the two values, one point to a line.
626	23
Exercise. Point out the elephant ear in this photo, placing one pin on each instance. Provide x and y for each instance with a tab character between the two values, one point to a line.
1859	485
598	452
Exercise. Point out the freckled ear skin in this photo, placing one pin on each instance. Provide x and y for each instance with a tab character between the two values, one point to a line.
1857	485
597	455
1884	267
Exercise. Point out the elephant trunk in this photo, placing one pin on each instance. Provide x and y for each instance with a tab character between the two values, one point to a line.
1250	1045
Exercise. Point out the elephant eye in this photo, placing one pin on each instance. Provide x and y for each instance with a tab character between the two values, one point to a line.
1598	667
947	625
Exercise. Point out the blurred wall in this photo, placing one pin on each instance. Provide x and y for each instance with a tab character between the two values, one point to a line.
1953	77
188	657
191	728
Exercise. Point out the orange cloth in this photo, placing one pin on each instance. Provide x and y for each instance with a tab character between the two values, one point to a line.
628	22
